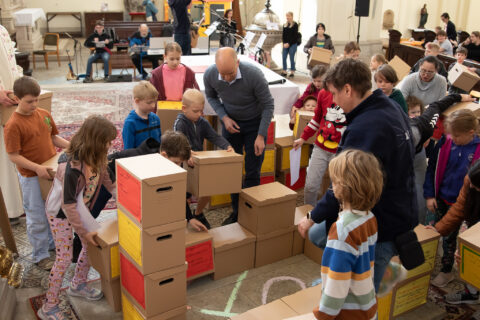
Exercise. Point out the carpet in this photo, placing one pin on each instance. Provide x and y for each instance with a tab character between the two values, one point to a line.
454	312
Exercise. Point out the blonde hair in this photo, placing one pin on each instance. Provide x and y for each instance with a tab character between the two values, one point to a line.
173	47
192	96
145	90
433	46
359	176
461	121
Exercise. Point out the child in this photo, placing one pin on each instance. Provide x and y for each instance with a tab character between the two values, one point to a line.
169	76
350	51
141	123
309	104
313	88
445	44
347	263
175	147
386	79
415	107
376	61
83	172
447	166
30	139
197	129
460	55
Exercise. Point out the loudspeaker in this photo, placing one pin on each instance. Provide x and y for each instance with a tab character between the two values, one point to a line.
362	8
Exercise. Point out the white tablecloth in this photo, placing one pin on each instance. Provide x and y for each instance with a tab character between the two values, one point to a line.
27	17
284	95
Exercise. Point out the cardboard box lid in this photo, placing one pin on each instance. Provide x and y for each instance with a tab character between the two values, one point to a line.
401	67
284	141
307	316
276	309
149	168
268	194
304	300
424	234
230	236
193	237
471	235
301	212
167	273
274	234
108	233
304	113
165	228
475	107
216	156
45	94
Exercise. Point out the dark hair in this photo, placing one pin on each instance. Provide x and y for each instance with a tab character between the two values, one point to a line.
351	46
320	25
430	59
462	50
388	73
476	33
310	97
472	201
318	71
445	15
441	33
175	144
26	86
413	101
225	15
99	23
353	72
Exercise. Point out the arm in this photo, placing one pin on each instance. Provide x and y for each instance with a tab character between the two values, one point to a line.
89	41
429	184
212	96
456	214
308	45
214	137
59	142
21	161
107	181
128	135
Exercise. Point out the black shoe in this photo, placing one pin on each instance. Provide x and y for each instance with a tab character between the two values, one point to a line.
88	80
201	217
232	218
291	75
14	221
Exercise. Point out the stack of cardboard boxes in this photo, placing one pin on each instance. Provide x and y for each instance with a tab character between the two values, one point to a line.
284	145
151	222
469	248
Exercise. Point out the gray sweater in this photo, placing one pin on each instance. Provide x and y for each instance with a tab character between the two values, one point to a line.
245	99
428	92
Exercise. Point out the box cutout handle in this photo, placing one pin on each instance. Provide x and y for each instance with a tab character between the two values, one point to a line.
161	283
248	205
165	237
164	189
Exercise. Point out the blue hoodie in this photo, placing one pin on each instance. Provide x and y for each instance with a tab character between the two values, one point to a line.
136	129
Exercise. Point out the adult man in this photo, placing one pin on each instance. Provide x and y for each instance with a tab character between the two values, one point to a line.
245	108
377	125
142	38
181	23
431	50
100	41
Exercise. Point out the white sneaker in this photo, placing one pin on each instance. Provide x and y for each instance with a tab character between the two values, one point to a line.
442	279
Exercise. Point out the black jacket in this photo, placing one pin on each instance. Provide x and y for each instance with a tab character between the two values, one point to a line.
89	43
451	31
181	22
290	34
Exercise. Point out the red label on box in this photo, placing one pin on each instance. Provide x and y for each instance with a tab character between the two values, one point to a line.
271	133
267	179
300	182
129	193
132	280
199	258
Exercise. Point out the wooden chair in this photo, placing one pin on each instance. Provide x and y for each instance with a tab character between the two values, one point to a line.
50	39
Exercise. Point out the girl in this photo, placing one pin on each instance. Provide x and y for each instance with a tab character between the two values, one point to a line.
320	40
309	104
167	77
83	172
375	62
447	166
226	38
386	78
350	51
290	42
313	89
347	273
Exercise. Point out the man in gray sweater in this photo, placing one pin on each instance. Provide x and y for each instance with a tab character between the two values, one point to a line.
239	94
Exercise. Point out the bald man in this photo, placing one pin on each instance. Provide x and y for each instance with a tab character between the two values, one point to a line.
142	38
239	94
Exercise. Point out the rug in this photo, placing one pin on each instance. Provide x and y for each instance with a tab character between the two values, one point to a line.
454	312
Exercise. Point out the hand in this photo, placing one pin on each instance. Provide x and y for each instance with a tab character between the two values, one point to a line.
472	69
107	41
293	112
230	149
6	98
304	226
197	225
458	258
286	45
259	145
190	162
95	39
432	204
467	97
310	50
298	143
44	172
230	125
430	227
90	238
134	45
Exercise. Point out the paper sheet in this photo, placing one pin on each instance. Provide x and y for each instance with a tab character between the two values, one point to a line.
295	156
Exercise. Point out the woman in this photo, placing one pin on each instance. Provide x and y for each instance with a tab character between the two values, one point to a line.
227	38
320	39
449	28
472	44
290	43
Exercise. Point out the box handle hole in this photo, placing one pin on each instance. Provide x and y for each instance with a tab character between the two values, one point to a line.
161	238
161	283
164	189
248	205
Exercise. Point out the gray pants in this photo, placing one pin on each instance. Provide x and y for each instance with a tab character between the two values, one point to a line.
316	169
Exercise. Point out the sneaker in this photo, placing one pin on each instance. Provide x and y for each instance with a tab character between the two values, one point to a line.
85	292
283	73
462	296
46	264
88	80
53	314
14	221
394	274
291	75
231	219
442	279
201	217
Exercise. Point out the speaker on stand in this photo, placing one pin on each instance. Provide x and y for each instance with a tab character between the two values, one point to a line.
362	9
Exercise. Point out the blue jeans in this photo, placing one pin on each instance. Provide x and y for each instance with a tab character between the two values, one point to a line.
105	56
318	234
289	51
253	164
183	39
38	229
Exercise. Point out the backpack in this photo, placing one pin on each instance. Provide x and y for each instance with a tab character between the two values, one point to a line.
299	38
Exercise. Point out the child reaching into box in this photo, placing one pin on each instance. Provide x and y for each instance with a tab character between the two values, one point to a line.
347	262
309	104
197	129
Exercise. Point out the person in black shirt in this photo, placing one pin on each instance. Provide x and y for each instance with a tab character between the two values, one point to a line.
101	42
451	31
472	44
227	38
290	43
181	23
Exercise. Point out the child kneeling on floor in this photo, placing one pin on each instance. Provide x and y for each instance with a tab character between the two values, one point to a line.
347	263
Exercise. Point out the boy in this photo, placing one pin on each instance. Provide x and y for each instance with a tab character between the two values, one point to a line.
196	129
445	44
460	55
141	123
175	147
415	107
30	139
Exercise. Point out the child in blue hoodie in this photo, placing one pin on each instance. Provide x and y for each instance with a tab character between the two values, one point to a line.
447	167
141	123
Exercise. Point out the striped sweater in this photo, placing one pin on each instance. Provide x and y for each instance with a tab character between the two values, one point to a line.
347	268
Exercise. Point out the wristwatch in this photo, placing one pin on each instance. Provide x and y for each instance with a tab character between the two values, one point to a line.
309	215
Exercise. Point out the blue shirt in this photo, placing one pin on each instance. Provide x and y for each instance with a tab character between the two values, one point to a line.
136	129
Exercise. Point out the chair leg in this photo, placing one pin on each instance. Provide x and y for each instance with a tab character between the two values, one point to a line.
33	59
46	60
58	58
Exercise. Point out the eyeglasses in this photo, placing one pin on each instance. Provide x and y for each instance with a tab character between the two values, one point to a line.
427	72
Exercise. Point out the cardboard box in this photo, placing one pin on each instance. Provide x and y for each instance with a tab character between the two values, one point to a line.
306	316
267	178
474	106
274	310
266	208
234	248
319	56
312	252
151	190
284	145
268	164
298	240
273	246
284	178
304	301
220	201
401	67
469	248
169	287
215	172
384	305
428	239
409	294
198	253
130	312
46	184
302	118
152	249
271	136
168	111
459	76
105	258
44	102
113	293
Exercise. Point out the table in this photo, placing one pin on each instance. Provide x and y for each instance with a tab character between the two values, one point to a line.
27	17
76	15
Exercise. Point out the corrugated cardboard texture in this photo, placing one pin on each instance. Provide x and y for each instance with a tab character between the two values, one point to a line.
273	310
319	56
313	252
304	301
111	291
130	312
473	106
273	247
302	118
45	184
459	76
168	111
105	258
298	240
401	67
152	189
469	247
284	145
198	253
44	102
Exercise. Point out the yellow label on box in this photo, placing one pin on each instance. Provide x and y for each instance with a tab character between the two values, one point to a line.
172	105
384	304
470	268
129	311
129	237
295	127
411	295
114	262
286	157
220	199
430	253
268	164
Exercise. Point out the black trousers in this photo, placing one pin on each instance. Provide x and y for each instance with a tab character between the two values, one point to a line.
136	62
